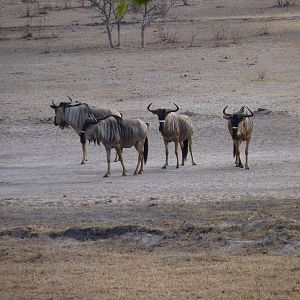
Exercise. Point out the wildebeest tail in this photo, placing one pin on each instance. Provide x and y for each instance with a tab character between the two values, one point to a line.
185	149
146	150
234	150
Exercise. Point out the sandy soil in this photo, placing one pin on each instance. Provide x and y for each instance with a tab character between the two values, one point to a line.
48	201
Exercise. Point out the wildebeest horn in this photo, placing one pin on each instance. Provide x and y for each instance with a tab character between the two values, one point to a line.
251	113
154	111
70	99
88	122
91	120
226	114
53	105
173	110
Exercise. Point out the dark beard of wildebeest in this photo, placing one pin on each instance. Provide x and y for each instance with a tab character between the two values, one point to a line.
175	128
240	126
74	114
118	133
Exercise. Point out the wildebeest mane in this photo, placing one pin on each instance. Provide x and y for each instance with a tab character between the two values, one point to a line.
181	123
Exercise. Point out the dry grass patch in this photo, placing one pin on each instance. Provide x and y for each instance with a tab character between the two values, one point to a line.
233	250
225	35
93	270
168	34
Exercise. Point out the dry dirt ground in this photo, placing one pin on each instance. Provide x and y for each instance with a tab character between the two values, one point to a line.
210	231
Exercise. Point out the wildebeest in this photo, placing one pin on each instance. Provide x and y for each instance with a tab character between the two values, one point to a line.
74	115
118	133
175	128
240	126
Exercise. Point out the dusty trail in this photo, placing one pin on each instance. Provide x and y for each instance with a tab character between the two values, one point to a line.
52	175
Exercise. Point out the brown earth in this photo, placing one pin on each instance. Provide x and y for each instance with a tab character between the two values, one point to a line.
210	231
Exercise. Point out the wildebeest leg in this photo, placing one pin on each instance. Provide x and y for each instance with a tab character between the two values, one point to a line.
140	166
235	152
139	149
176	153
238	153
117	156
167	155
108	150
84	155
246	153
142	163
181	147
191	152
119	151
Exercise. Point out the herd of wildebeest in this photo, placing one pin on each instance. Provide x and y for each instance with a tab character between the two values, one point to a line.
107	126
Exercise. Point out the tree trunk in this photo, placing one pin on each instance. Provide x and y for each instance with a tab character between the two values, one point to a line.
145	14
27	9
108	30
143	36
119	34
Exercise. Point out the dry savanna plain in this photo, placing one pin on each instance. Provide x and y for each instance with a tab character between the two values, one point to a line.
210	231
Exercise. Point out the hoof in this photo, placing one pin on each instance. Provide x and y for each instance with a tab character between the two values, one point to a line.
241	166
164	167
194	164
177	167
106	175
135	173
124	174
82	163
140	172
247	168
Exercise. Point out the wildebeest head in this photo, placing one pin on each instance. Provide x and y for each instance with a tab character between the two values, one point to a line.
162	114
236	118
87	123
59	118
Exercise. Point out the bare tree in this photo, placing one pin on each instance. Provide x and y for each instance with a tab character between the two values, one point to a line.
105	9
151	10
111	12
119	9
66	4
281	3
27	9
